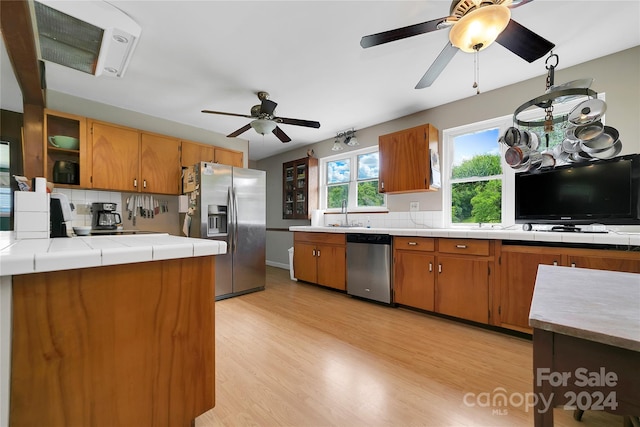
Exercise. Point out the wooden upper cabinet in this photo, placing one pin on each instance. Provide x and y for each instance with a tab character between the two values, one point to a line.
115	157
229	157
159	164
405	164
194	152
125	159
74	162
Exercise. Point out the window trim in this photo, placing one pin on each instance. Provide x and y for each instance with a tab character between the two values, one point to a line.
353	179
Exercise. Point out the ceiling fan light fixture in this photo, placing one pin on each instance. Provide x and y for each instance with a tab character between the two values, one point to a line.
478	29
263	126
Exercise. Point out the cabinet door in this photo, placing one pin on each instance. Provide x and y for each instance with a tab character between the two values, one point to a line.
462	288
228	157
331	265
304	262
413	275
115	154
193	153
518	270
160	164
628	262
404	160
58	124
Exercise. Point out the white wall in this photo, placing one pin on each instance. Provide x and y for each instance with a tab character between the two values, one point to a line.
616	75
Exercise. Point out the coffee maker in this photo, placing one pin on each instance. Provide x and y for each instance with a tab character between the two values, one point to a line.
104	216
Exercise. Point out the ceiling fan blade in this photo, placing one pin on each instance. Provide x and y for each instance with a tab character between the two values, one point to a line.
240	131
226	114
268	107
524	42
438	65
401	33
297	122
281	135
518	3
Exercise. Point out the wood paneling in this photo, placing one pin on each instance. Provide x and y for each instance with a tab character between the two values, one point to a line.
114	346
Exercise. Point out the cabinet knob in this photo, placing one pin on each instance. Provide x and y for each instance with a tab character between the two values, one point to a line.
135	183
573	264
430	267
318	252
144	183
313	252
439	268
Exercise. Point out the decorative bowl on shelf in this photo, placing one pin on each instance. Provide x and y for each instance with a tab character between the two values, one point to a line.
66	142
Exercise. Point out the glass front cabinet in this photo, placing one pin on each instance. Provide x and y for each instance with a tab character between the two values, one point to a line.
300	188
66	159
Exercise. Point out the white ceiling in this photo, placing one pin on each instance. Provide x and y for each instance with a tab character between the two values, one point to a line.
216	55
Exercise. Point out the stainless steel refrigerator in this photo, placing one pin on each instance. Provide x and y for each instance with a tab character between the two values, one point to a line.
229	203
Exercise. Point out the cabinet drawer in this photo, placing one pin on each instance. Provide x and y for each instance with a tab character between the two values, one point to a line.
329	238
464	246
426	244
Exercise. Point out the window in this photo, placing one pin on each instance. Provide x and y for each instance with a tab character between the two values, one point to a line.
353	177
477	183
476	177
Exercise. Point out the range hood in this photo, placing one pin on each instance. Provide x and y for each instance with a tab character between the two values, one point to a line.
89	36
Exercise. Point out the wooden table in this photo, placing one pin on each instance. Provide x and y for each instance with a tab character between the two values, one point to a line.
586	341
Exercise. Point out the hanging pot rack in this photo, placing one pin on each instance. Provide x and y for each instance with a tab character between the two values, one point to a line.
547	100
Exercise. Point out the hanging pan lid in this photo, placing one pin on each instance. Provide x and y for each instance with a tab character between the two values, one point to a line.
587	112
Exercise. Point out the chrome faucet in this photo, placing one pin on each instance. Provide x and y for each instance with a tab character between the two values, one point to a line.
344	211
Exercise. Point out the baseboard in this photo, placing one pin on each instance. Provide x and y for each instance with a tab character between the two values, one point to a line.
277	264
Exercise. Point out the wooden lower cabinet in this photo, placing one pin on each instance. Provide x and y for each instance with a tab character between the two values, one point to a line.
462	288
519	266
414	279
320	258
448	276
414	272
518	269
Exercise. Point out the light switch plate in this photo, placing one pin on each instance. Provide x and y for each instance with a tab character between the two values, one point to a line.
414	206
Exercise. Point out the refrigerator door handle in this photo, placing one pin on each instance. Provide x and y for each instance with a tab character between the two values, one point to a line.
235	219
230	224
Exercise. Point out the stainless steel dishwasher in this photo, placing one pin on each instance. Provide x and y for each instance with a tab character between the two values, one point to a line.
369	266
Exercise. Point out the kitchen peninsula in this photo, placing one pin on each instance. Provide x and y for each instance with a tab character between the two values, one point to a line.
586	341
107	330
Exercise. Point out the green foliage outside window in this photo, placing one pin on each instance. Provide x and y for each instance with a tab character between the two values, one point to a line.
477	201
336	194
368	194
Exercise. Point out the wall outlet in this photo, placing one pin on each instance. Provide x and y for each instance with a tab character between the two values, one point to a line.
414	206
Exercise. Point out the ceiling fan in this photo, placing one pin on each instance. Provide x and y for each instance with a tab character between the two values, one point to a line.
265	120
474	25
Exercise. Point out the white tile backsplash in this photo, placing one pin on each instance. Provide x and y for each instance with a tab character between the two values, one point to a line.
82	200
417	220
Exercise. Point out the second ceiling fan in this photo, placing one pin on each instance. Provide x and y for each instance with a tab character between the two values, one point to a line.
264	119
475	24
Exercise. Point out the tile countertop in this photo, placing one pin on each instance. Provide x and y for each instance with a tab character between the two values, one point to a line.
40	255
595	305
610	238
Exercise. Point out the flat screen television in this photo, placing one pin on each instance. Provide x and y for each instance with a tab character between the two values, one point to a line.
600	192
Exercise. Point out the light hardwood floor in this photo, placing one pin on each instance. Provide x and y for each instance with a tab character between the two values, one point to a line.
301	355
